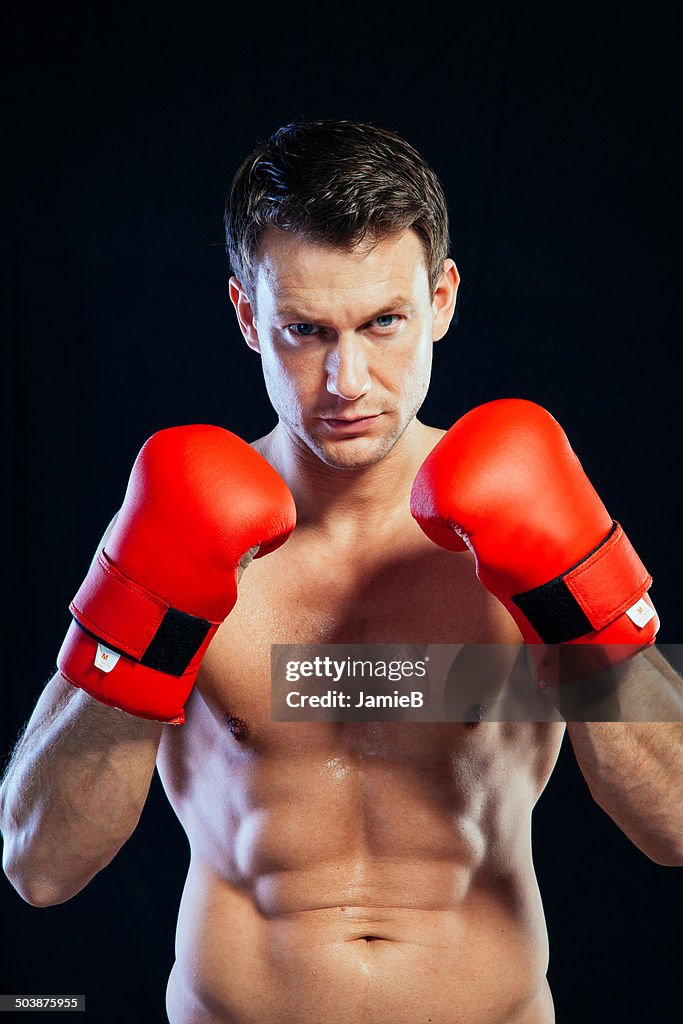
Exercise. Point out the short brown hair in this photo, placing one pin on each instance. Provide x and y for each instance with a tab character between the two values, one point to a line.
339	183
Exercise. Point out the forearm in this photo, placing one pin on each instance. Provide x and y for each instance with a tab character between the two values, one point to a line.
634	766
73	792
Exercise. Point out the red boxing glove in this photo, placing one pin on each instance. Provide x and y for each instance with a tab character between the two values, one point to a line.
197	500
505	482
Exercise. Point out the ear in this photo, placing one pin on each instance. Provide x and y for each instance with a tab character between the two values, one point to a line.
245	313
443	303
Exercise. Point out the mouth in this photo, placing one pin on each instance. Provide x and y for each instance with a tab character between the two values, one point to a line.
348	424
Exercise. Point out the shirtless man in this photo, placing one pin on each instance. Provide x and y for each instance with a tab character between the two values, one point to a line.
341	873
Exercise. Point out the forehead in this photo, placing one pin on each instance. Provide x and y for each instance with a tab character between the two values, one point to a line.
293	269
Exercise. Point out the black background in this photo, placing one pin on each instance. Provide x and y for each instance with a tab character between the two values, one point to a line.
553	128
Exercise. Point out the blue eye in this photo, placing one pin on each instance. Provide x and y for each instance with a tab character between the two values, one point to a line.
385	320
303	330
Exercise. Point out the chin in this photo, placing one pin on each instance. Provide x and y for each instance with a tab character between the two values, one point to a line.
354	453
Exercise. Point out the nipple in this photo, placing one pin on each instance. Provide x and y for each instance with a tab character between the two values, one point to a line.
238	727
475	715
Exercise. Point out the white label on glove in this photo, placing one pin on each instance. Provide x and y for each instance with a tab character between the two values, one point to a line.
640	613
105	659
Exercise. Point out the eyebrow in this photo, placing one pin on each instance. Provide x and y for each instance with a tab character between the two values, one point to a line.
398	302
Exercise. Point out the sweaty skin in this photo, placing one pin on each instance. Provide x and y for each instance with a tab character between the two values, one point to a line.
355	871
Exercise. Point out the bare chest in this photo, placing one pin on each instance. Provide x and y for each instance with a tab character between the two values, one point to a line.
405	593
416	596
229	733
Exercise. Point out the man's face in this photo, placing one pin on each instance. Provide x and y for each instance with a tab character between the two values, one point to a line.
345	339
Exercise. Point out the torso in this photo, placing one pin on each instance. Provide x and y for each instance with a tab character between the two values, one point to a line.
348	872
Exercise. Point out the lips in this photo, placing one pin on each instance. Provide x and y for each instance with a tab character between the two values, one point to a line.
349	419
347	423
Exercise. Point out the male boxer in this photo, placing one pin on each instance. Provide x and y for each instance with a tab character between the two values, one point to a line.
340	872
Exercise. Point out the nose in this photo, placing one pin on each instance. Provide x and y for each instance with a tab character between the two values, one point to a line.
348	374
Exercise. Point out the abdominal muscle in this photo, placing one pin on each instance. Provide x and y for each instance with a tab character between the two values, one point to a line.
360	943
358	873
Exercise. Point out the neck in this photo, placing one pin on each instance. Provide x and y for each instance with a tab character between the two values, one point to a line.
353	500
